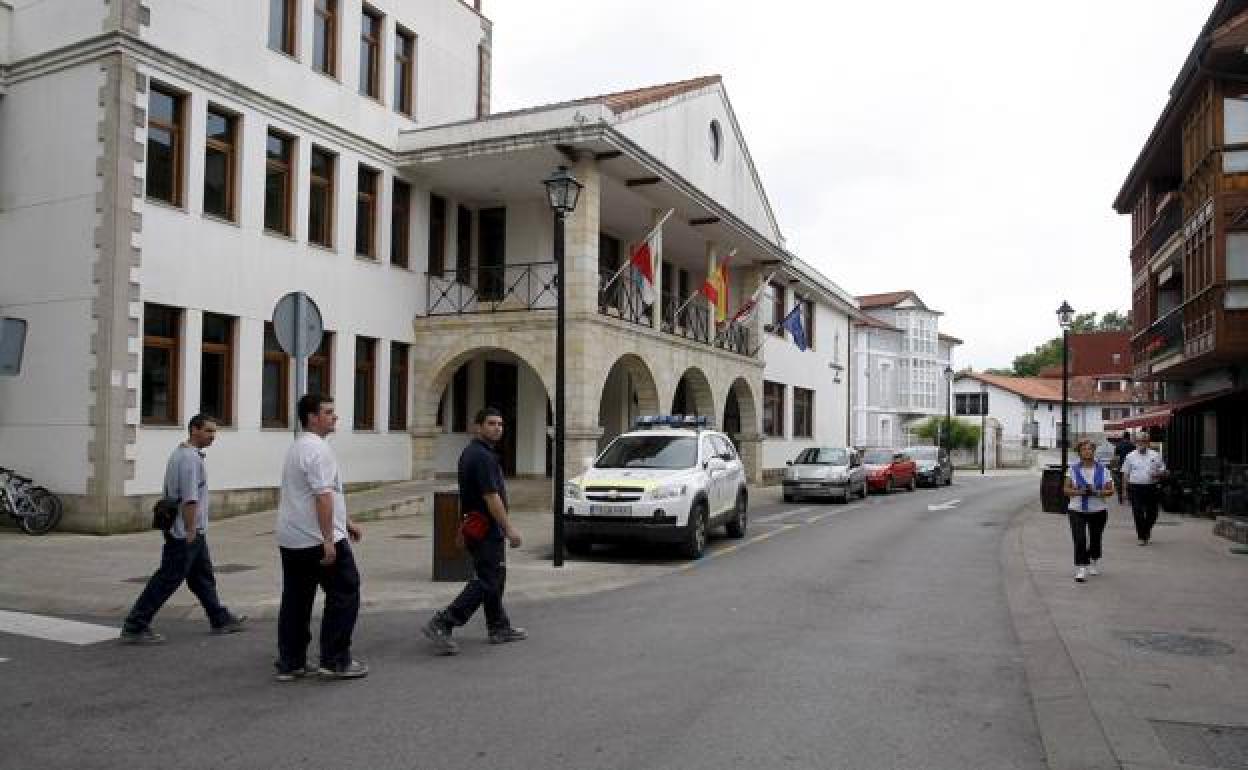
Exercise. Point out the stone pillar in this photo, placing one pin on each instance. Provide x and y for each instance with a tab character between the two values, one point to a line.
581	240
750	445
583	372
656	316
424	439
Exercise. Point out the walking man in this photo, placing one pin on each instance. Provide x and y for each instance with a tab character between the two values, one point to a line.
185	554
1142	469
1124	448
313	530
481	491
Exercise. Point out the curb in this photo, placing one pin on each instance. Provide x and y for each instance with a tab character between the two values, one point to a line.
1070	730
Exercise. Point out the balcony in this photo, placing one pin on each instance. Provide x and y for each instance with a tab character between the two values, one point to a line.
505	288
622	300
1162	340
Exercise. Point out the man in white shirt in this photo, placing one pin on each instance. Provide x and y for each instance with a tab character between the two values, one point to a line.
1141	470
313	533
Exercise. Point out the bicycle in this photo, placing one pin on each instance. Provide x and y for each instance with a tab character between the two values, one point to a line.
36	510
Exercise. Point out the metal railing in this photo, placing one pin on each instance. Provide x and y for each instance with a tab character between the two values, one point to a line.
1165	335
1169	222
693	322
622	299
493	289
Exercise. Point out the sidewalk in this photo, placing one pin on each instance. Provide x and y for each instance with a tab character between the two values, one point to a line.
1145	666
70	574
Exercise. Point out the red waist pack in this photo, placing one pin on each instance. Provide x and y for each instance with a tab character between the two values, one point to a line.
475	526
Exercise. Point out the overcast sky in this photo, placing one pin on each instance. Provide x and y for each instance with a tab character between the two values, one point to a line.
968	150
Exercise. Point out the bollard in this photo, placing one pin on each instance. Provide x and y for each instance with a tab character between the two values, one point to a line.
1052	499
450	562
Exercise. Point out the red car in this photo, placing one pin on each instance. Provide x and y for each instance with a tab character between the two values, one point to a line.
889	469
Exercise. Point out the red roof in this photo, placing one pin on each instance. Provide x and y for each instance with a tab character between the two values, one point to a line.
1081	390
886	300
875	323
622	101
1093	353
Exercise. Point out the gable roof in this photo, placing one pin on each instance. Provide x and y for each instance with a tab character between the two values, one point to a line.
892	299
621	101
1081	390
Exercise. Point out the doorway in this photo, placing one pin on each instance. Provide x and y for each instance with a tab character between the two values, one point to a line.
501	380
492	239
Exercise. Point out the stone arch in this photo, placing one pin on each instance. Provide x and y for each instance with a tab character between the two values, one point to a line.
628	390
693	395
741	412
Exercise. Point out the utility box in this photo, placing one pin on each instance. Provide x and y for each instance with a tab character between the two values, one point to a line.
1052	499
451	563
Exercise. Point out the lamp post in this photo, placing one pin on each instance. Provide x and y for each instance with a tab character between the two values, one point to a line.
945	437
562	190
1065	317
983	429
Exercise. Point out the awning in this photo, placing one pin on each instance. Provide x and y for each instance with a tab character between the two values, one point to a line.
1159	417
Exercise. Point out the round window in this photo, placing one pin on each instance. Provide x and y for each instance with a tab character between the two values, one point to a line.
717	140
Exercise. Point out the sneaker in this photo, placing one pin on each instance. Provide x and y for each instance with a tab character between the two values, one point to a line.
1094	568
232	625
146	636
353	670
1081	574
509	634
290	675
439	633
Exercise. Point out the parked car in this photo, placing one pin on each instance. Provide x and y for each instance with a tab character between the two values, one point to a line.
934	467
889	469
825	472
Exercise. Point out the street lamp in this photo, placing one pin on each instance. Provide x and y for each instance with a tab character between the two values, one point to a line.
1065	317
983	429
946	438
562	191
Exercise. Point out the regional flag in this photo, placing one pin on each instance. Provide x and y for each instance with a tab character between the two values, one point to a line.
716	287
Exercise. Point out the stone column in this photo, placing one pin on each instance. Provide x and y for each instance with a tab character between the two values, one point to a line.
750	445
583	351
656	316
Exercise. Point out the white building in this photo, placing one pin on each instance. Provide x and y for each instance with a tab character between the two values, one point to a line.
899	362
171	169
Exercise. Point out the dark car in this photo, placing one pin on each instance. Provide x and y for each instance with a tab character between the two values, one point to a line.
888	469
934	467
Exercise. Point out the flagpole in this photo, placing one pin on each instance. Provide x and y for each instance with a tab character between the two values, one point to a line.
629	263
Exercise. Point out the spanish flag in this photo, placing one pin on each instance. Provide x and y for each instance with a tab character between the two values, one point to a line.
716	287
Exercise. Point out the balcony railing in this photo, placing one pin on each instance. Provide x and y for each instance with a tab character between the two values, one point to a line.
505	288
1169	222
1165	336
692	322
622	300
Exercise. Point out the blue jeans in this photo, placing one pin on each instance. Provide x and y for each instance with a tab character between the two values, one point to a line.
302	574
489	580
179	562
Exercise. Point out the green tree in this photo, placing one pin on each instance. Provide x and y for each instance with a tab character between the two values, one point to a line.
961	434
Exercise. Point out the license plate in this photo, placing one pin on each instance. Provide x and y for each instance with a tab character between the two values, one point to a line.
610	510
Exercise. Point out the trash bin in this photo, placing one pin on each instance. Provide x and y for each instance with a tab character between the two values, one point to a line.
450	562
1052	500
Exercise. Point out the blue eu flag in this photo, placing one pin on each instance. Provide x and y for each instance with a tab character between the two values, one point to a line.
793	322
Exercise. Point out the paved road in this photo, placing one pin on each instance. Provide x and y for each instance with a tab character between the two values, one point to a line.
870	635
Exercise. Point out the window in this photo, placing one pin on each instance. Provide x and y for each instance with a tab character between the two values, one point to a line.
1109	385
365	381
463	243
370	53
970	404
164	145
717	141
274	382
437	235
321	198
162	334
459	400
404	70
808	322
283	18
400	223
216	368
320	367
773	409
803	413
279	149
398	386
777	308
366	213
1115	413
220	162
325	37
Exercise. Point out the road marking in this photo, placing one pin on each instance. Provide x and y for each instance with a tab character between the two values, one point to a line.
54	629
4	660
784	514
946	506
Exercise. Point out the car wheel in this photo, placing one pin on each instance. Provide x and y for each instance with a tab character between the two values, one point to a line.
949	479
913	484
579	547
695	532
741	518
862	490
888	488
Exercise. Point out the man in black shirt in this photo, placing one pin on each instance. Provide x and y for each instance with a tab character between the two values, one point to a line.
481	491
1124	448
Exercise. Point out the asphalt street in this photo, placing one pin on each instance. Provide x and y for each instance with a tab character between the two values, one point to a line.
869	635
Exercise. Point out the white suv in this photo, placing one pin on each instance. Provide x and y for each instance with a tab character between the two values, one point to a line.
670	483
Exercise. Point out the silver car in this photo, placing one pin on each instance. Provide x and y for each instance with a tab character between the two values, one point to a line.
834	472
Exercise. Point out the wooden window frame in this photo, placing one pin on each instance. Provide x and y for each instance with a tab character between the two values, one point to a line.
404	72
287	167
290	29
177	140
329	17
777	309
280	358
804	428
174	346
400	223
365	419
229	149
400	356
328	184
370	49
323	359
437	235
226	351
808	322
367	199
776	410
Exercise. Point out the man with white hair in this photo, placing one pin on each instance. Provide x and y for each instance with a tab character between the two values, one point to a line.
1141	470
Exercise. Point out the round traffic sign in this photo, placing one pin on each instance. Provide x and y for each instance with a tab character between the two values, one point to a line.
297	324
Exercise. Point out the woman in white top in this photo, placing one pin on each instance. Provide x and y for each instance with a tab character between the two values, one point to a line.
1087	484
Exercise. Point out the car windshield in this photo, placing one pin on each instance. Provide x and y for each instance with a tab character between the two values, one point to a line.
878	456
923	454
823	456
650	452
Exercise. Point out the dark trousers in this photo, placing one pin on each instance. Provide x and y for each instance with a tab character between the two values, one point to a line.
302	573
1119	489
179	562
1086	530
1143	508
489	580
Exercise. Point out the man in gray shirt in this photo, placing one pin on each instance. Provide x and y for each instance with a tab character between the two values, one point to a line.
185	556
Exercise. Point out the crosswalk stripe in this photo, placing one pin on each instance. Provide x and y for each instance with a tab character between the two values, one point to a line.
54	629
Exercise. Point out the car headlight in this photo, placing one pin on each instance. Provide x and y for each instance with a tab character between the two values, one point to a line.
668	492
572	491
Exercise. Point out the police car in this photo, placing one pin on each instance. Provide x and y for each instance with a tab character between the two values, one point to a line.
670	481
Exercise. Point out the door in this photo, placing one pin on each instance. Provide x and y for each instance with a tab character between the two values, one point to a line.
492	239
500	393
